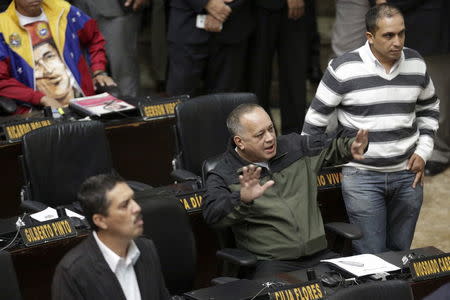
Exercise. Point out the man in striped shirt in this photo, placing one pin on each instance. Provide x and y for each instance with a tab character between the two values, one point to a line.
385	88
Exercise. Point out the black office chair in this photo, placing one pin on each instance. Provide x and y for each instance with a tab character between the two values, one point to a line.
167	224
201	132
58	158
376	290
9	288
234	258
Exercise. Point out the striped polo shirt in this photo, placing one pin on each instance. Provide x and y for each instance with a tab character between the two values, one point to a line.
399	107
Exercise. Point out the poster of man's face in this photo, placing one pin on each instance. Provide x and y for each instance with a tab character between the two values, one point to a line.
51	74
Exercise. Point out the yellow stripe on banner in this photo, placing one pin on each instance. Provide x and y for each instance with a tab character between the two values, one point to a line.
56	12
15	36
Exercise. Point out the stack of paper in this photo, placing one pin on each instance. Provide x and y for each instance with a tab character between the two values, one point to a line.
362	265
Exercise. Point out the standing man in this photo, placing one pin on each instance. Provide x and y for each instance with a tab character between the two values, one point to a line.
208	44
113	262
385	88
281	29
265	188
433	43
42	59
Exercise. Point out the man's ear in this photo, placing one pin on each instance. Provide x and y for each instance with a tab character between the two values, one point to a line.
238	142
369	37
99	221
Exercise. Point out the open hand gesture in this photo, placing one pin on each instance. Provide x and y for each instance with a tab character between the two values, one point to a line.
251	189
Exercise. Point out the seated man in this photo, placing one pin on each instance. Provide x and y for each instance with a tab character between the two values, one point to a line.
112	262
265	188
42	59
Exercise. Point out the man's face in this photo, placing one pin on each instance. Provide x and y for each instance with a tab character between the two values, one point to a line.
29	8
257	139
50	73
388	41
123	219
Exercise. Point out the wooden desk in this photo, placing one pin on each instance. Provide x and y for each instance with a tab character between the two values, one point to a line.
35	266
141	150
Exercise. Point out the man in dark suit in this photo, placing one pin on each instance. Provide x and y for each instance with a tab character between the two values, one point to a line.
214	54
281	28
113	262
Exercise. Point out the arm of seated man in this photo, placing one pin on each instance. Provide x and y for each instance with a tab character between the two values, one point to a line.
101	78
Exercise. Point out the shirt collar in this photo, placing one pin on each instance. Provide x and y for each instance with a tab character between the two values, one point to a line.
112	259
24	20
368	56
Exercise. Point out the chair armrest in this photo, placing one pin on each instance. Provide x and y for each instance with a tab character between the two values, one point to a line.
7	106
222	280
138	186
346	230
32	206
237	256
184	175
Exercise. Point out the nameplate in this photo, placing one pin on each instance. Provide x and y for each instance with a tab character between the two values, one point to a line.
430	267
14	132
47	231
329	178
311	290
192	201
155	109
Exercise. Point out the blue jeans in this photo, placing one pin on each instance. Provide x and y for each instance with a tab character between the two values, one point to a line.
384	205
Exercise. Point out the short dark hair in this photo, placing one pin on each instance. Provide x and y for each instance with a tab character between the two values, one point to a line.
233	120
378	12
92	195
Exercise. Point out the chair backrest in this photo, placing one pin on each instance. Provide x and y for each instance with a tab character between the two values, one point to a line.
201	127
58	158
9	288
167	224
377	290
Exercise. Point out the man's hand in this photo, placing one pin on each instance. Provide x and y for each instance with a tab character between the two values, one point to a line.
136	4
378	2
296	9
218	9
250	187
359	144
102	80
48	101
417	165
212	24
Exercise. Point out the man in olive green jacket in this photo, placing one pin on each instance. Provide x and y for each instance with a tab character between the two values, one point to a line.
265	188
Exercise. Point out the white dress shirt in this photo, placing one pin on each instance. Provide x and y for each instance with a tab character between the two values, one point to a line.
123	268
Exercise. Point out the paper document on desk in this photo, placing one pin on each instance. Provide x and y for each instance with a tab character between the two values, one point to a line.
362	265
50	213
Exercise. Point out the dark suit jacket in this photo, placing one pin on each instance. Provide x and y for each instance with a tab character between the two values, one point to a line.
183	15
83	273
271	4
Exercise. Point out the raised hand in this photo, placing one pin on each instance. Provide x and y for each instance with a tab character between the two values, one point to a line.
251	189
360	144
